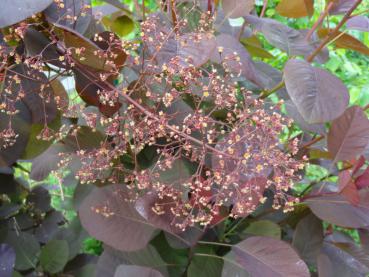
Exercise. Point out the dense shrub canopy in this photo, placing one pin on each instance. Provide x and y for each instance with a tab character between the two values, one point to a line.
184	138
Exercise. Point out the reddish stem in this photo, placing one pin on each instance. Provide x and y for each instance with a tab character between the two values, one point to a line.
331	35
264	8
320	20
210	7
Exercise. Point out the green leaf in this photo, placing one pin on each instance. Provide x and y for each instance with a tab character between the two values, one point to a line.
205	266
54	256
26	248
264	228
254	47
37	146
122	25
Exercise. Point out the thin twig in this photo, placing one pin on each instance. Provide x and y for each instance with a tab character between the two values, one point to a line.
336	30
320	20
265	5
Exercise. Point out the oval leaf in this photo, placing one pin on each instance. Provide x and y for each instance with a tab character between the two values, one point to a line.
338	210
79	9
308	238
360	23
133	270
107	216
349	134
346	41
13	11
262	256
54	256
318	95
296	8
237	8
7	260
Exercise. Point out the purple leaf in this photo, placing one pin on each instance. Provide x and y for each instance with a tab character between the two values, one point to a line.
26	248
79	9
318	95
292	41
334	261
237	8
336	209
300	121
229	46
7	260
37	43
48	161
263	256
21	125
359	22
13	11
308	238
111	259
349	134
166	221
108	216
37	93
39	199
341	6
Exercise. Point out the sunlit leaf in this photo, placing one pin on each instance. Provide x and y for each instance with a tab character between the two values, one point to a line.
296	8
90	55
341	6
290	40
359	22
122	25
346	41
254	47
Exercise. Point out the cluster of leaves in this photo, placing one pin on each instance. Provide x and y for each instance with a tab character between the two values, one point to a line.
171	126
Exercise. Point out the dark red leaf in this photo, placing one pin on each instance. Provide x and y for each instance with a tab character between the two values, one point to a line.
13	11
338	210
347	187
308	238
108	216
362	181
263	256
349	134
